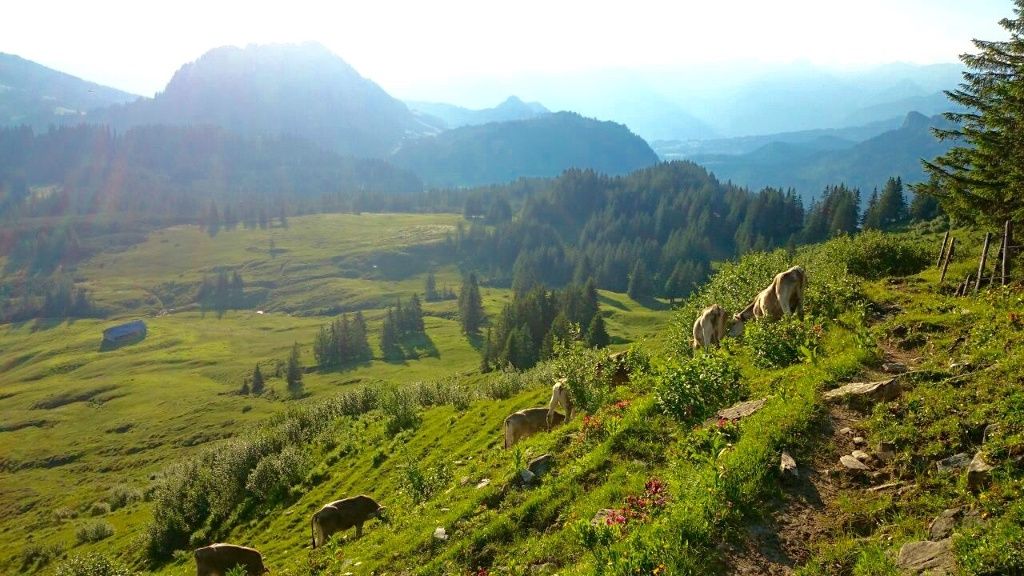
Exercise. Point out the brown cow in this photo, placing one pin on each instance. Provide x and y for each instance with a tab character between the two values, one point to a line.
218	559
709	327
523	423
341	515
785	295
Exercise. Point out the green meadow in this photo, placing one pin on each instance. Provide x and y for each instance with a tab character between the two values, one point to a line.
78	422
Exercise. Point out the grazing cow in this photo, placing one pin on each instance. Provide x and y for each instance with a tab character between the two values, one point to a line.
709	327
560	396
523	423
620	375
785	295
218	559
341	515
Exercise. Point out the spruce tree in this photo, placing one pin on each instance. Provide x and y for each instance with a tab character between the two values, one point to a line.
981	180
639	284
471	309
360	345
430	288
597	335
892	205
257	383
293	373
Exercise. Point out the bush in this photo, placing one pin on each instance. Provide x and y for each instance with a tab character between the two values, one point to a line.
693	388
276	473
123	495
875	254
35	555
579	367
92	565
779	344
99	509
443	392
94	531
421	482
401	409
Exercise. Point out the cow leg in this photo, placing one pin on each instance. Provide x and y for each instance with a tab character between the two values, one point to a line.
359	530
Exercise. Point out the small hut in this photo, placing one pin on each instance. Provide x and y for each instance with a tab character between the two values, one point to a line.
123	333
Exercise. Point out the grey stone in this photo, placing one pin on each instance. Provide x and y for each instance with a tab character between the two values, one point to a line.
541	464
894	367
943	524
483	483
866	392
851	463
440	533
741	410
861	455
928	557
846	431
979	473
526	476
859	441
954	462
787	467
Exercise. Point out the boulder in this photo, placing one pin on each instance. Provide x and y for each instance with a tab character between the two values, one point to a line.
787	467
943	524
865	393
541	465
954	463
846	431
929	557
741	410
979	473
859	441
526	477
861	455
852	464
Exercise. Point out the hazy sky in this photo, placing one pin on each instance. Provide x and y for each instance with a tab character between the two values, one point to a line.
414	49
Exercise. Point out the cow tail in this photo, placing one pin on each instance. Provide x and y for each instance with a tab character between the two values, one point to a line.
312	533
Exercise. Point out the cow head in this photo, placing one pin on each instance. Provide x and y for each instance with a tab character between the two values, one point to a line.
737	326
382	514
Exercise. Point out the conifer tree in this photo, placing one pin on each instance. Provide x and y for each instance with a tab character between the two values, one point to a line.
360	345
471	309
981	180
639	284
430	288
597	334
293	373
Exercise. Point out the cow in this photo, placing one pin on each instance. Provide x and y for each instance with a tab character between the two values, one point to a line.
620	364
785	295
560	396
709	327
218	559
523	423
341	515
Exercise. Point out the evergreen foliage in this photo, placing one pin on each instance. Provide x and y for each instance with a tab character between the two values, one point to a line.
981	179
342	342
293	373
257	381
471	309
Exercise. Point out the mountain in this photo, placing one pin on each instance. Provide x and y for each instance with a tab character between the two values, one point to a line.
280	89
38	96
808	168
456	116
541	146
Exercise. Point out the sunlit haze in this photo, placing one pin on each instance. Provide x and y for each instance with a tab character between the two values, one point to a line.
433	50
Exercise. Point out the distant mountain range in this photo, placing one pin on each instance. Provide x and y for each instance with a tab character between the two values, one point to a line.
808	166
38	96
456	116
541	146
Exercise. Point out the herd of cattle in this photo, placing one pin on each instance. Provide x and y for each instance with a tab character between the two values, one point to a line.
785	295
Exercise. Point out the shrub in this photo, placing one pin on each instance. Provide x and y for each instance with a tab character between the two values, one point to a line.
779	344
92	565
65	513
579	367
421	482
99	509
274	474
37	555
94	531
443	392
692	388
401	409
122	495
876	254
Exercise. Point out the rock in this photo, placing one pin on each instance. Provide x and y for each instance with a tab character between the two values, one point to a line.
526	476
787	467
954	462
440	534
894	367
979	473
861	455
866	393
846	431
927	556
851	463
942	526
741	410
859	441
541	464
483	483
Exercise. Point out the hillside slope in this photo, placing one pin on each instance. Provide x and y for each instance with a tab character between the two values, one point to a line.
542	146
38	96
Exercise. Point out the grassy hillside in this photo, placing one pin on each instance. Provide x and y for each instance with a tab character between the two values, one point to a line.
81	426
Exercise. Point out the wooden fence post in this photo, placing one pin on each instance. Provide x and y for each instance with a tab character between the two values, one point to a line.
949	256
981	264
942	249
1007	243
